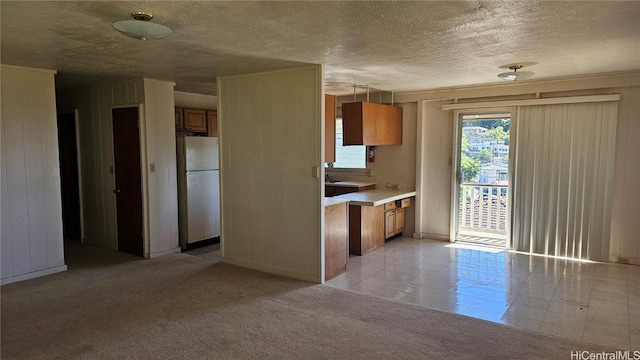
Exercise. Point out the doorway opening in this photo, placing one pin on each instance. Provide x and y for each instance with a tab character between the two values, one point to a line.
482	181
70	176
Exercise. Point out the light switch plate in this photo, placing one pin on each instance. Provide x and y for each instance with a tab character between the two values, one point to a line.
315	172
152	167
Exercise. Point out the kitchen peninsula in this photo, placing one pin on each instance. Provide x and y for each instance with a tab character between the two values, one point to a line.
374	215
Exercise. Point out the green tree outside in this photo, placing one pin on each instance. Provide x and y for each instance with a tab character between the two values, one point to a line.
469	167
485	156
498	133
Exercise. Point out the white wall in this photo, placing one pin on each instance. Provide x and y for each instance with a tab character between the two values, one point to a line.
396	164
433	187
160	134
271	133
32	243
157	146
625	227
435	145
195	101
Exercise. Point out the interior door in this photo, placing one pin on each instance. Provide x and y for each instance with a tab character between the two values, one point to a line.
128	180
69	179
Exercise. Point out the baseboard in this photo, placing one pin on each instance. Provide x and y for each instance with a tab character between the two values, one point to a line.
33	274
431	236
624	260
201	243
164	252
271	269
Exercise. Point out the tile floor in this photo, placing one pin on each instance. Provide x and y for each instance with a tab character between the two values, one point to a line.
592	302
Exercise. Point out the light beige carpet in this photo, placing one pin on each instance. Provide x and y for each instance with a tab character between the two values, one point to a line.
184	307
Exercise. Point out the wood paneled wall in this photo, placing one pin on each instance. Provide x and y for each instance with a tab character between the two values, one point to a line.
270	125
32	243
158	147
160	135
94	106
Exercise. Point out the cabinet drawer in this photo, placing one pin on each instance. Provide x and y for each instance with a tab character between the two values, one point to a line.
390	205
405	202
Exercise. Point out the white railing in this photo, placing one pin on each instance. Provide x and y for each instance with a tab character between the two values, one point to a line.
483	208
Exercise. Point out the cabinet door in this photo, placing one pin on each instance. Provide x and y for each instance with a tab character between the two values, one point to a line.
179	119
389	223
329	128
212	123
336	242
365	123
195	120
399	221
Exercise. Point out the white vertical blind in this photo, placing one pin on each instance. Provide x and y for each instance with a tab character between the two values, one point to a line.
563	177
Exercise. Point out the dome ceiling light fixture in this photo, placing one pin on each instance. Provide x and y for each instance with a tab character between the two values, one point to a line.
515	74
141	27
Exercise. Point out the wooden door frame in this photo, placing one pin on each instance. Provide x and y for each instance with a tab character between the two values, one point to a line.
76	116
144	176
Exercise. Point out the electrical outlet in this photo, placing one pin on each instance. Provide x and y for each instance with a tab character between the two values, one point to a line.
152	167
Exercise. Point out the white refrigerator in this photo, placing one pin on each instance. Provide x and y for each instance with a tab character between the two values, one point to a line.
198	189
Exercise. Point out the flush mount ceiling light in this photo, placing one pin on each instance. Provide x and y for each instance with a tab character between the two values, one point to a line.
141	27
515	74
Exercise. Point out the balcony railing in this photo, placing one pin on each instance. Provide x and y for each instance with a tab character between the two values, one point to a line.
483	208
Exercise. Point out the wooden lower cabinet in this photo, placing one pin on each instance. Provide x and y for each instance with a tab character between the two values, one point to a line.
400	220
389	223
394	217
336	247
366	228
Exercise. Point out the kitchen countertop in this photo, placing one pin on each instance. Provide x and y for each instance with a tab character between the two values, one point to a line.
350	183
328	201
372	197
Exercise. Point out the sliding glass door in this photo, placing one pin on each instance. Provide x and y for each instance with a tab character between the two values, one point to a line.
481	211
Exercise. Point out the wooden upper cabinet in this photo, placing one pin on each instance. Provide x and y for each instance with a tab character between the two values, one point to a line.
329	128
366	123
179	119
195	120
212	123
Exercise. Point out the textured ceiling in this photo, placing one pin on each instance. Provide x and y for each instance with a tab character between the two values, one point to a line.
393	46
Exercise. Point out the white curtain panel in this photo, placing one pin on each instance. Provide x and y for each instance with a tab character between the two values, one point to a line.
563	178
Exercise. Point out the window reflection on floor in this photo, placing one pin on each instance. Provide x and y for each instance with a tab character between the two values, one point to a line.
592	302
